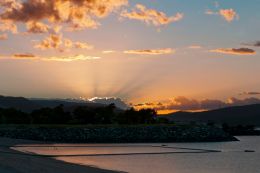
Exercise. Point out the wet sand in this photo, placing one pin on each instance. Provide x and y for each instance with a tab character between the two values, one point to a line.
12	161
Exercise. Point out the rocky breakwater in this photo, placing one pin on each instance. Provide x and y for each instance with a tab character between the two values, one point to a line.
117	134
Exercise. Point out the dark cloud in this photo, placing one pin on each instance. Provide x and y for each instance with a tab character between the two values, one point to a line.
24	56
211	104
235	51
255	44
237	102
183	103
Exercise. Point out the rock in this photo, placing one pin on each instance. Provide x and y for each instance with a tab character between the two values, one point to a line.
118	134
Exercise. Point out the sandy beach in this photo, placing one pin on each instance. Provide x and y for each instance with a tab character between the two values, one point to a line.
15	162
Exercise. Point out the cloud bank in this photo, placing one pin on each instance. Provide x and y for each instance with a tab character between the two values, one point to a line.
186	104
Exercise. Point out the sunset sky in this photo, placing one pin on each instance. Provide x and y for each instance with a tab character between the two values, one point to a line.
137	50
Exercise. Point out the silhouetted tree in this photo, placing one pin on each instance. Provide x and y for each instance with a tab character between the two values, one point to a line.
80	115
105	115
13	116
83	115
51	116
131	116
100	115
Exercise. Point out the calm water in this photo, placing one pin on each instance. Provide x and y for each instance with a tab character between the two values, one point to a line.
142	158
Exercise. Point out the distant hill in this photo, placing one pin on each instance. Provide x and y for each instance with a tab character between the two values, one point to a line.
28	105
244	115
66	103
19	103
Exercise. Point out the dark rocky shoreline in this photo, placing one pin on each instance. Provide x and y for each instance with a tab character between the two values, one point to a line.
117	134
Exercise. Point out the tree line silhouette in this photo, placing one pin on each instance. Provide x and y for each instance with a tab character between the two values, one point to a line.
80	115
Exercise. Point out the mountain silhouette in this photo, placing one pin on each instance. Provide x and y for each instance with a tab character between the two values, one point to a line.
28	105
238	115
19	103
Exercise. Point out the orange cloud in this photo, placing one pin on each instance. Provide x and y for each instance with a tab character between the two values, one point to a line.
228	14
9	3
195	47
108	51
70	58
186	104
151	51
151	16
233	51
176	103
37	27
68	43
29	56
81	45
78	14
51	42
3	36
6	25
56	41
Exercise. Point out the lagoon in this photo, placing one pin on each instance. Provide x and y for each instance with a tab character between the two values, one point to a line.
208	157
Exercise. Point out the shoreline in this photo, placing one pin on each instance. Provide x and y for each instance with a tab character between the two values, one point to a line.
18	163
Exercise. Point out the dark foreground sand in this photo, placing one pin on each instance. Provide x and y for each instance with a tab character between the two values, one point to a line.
15	162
